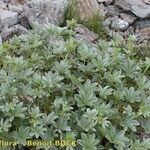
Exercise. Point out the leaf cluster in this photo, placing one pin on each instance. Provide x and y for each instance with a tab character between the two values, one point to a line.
55	87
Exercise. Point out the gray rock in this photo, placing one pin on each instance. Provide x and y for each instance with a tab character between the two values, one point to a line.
128	17
107	2
16	2
10	32
108	22
143	23
16	8
85	34
0	40
103	10
3	5
143	34
8	18
23	20
45	11
119	24
147	2
113	10
138	7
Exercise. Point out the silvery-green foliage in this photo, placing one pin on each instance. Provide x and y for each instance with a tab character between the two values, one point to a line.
55	87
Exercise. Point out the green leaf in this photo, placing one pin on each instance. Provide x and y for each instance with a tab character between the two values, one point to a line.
37	131
22	135
88	142
118	138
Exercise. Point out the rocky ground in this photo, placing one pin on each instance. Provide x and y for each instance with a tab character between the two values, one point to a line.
122	16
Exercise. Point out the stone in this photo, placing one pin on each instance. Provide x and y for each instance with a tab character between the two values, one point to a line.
108	21
147	2
86	9
103	10
137	7
8	18
142	23
3	5
45	11
113	10
10	32
23	20
81	32
106	2
144	33
128	17
16	2
119	24
0	40
16	8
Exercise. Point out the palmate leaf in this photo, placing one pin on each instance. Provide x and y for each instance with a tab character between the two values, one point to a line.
146	125
35	115
131	95
103	121
138	145
130	68
14	109
62	125
37	131
147	64
88	120
88	142
89	87
86	95
114	77
129	111
117	138
86	52
87	124
145	108
130	122
51	80
101	62
143	82
104	92
22	135
86	68
85	99
49	119
62	66
5	124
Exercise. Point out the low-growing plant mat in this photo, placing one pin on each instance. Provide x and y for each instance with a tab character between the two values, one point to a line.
54	88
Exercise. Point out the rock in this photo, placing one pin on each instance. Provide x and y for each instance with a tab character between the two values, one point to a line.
106	2
45	11
85	34
113	10
103	10
128	17
8	18
86	9
3	5
0	40
143	34
16	8
108	22
10	32
119	24
23	20
138	7
147	2
16	2
142	23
